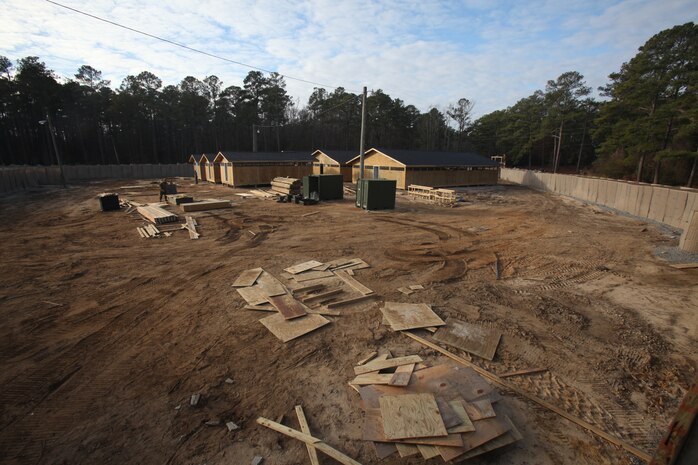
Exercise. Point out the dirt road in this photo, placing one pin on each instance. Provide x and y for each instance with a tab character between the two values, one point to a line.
105	336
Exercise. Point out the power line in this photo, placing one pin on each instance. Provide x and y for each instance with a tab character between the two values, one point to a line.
192	49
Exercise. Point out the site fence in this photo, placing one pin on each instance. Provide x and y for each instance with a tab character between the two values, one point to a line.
673	206
14	178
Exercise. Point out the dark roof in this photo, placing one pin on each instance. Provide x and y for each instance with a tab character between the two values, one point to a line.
340	156
424	158
267	156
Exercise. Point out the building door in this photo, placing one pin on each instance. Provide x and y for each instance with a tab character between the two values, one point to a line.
322	168
375	172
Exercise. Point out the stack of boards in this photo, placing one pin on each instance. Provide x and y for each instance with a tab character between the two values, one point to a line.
156	215
314	291
286	186
441	411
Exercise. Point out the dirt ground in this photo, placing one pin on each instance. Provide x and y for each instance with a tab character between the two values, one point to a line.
105	336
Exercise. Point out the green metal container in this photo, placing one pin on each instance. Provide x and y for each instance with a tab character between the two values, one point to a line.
328	186
376	194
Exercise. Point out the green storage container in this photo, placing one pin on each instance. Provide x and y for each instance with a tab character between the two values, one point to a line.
328	186
376	194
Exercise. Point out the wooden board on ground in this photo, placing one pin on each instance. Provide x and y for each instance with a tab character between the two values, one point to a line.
505	439
367	358
303	422
377	365
270	285
410	316
466	425
248	277
260	308
288	306
310	275
479	409
320	296
207	204
406	450
301	267
384	449
253	295
350	301
428	452
287	330
372	378
402	375
373	431
469	337
411	416
684	266
353	282
486	430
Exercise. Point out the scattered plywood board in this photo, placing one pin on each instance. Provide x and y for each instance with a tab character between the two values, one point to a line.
367	358
466	425
353	300
479	409
270	285
301	267
306	289
373	431
372	378
341	274
288	306
428	452
486	430
684	266
529	371
377	365
507	438
416	287
407	450
321	296
253	295
405	290
248	277
411	416
410	316
310	275
286	330
260	308
469	337
384	449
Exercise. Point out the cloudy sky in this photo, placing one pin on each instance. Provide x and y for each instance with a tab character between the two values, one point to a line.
429	53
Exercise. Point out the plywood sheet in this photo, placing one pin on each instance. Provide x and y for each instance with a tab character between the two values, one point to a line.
301	267
270	285
310	275
486	430
479	409
407	450
428	452
466	425
248	277
505	439
384	449
353	282
410	316
287	330
288	306
253	295
373	431
372	378
411	416
402	375
377	365
472	338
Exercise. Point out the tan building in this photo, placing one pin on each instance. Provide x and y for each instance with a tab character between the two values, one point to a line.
333	162
259	168
434	169
194	162
210	171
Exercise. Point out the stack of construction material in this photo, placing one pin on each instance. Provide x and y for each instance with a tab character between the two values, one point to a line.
286	186
440	411
446	197
156	215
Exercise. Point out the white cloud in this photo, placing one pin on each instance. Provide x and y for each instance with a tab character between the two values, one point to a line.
425	52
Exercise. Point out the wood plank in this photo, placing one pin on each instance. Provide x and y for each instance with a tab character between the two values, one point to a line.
407	450
405	290
323	267
403	316
310	214
322	295
304	289
416	287
259	308
310	275
507	438
402	375
308	439
353	300
390	363
486	430
428	452
207	204
411	416
270	285
372	378
466	425
288	306
479	409
523	372
472	338
248	278
350	272
301	267
323	311
287	330
367	358
312	453
684	266
384	449
253	295
533	398
353	282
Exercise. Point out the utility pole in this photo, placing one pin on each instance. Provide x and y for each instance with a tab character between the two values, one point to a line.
55	147
254	138
278	138
361	143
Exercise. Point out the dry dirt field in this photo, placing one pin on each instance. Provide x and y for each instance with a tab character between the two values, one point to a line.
105	377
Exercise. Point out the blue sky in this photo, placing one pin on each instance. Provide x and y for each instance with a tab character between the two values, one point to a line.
428	53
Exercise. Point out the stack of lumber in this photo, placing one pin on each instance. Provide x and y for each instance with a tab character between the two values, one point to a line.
446	197
441	411
148	231
190	226
286	186
156	215
206	204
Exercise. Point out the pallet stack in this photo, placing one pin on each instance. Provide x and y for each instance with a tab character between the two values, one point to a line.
286	186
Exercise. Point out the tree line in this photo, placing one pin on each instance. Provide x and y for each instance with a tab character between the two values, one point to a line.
644	127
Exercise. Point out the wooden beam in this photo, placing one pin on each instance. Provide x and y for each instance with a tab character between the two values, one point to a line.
308	439
350	301
377	365
306	429
341	274
523	372
642	455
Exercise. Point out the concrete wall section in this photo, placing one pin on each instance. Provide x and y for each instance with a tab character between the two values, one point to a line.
673	206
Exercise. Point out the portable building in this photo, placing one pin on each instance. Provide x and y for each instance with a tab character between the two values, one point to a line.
258	168
210	171
434	169
333	162
196	165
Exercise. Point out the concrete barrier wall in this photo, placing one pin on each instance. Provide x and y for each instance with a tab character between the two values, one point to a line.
673	206
14	178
